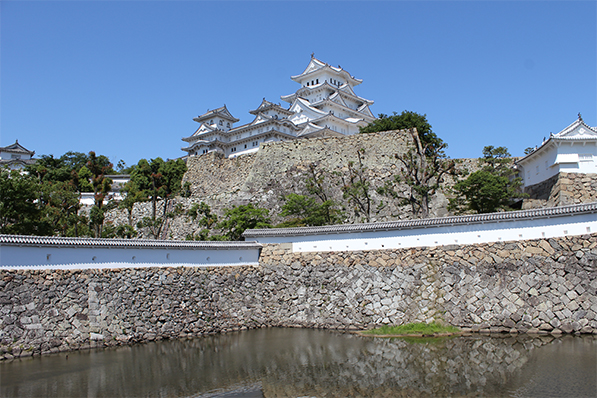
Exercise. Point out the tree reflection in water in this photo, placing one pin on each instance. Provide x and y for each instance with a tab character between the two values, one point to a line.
304	362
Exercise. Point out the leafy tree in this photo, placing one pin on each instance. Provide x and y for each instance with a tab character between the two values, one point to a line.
83	179
131	195
529	150
98	167
422	171
405	121
158	180
60	208
306	211
240	218
20	212
59	184
207	219
490	189
316	183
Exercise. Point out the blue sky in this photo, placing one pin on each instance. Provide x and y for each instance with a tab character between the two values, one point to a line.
125	79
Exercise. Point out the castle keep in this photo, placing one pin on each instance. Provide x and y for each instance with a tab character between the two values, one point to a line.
324	106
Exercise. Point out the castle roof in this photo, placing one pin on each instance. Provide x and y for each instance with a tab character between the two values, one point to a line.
577	131
267	105
317	67
17	148
218	112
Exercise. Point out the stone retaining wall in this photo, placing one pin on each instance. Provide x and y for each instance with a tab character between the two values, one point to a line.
540	286
561	190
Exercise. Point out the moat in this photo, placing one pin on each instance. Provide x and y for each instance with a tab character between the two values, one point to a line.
276	362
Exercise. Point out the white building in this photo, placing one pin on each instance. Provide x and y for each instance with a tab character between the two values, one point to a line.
325	105
16	156
572	150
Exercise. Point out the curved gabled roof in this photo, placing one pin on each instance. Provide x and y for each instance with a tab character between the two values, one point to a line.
316	66
576	131
220	112
266	105
17	148
426	223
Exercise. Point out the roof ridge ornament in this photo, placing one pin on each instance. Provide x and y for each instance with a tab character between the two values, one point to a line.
580	117
313	55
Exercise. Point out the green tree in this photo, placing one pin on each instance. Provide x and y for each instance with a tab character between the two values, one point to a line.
490	189
98	166
305	211
60	208
20	212
405	121
240	218
131	195
207	220
316	183
422	170
158	181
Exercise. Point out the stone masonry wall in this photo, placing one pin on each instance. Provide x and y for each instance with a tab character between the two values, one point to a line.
280	168
539	286
561	190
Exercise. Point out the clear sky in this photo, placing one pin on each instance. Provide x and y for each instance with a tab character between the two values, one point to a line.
125	79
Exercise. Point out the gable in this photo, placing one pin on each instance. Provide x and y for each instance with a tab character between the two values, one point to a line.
578	129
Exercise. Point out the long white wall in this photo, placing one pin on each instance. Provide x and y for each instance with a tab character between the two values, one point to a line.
465	230
57	255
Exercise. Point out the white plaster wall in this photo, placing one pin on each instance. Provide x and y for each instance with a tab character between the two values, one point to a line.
542	166
43	257
442	235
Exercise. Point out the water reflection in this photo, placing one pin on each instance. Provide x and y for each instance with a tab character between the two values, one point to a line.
302	362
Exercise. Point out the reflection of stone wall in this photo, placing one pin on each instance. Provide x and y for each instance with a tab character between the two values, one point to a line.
299	362
538	286
561	190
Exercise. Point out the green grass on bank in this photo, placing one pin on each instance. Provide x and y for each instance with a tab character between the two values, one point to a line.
413	328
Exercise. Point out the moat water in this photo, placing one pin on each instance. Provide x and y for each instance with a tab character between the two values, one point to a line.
315	363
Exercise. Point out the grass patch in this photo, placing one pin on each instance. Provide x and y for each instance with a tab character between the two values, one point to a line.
413	328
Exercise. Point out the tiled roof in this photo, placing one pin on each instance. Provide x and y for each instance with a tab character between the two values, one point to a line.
23	240
16	148
427	223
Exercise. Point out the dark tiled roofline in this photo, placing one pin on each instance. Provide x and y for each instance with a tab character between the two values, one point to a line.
25	240
428	222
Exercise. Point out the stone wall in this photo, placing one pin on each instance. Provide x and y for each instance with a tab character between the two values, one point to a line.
540	286
280	168
561	190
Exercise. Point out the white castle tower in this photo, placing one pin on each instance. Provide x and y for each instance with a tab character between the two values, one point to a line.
326	103
325	106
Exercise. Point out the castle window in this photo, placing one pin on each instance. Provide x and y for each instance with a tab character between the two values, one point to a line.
221	123
317	81
307	84
228	124
245	146
585	157
211	121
